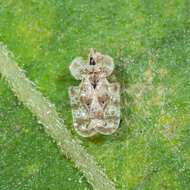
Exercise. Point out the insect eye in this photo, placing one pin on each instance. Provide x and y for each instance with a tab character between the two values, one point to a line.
92	62
88	105
94	85
102	103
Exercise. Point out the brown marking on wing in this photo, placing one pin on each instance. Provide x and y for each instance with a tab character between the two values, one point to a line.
116	103
107	61
81	121
75	106
99	58
85	132
112	118
73	91
115	87
106	131
75	66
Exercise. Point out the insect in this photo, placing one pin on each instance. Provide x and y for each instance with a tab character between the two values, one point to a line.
95	102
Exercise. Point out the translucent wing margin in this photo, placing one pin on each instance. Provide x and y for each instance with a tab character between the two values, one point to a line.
112	111
77	67
108	65
79	113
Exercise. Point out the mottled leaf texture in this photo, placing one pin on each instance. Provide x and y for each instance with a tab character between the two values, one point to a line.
46	114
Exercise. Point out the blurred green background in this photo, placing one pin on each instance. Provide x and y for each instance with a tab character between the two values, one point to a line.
150	44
